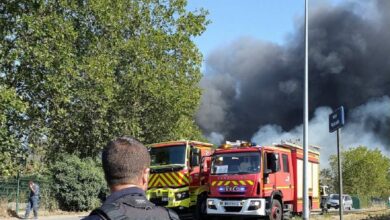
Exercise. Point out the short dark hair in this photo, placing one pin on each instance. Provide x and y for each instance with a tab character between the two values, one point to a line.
124	159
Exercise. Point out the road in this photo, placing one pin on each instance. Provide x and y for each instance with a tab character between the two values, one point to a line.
315	215
56	217
78	217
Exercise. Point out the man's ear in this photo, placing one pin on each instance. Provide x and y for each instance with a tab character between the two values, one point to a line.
145	176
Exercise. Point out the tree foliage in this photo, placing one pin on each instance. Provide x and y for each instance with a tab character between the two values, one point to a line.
88	71
77	183
11	150
327	178
365	172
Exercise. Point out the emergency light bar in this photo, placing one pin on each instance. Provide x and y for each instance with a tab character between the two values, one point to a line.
236	144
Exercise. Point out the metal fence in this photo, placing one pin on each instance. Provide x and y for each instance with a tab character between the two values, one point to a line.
15	192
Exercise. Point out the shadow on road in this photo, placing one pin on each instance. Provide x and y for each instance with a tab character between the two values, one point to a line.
12	213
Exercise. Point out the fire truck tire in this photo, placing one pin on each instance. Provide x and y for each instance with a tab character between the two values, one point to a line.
201	206
276	212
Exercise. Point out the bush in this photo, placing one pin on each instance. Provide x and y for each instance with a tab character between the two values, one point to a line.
78	184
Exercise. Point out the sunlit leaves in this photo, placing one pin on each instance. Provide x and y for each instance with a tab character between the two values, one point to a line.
88	71
365	172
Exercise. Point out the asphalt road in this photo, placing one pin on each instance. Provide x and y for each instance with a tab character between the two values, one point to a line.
182	216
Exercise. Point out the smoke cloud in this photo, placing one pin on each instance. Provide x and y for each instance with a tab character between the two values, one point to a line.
254	88
367	126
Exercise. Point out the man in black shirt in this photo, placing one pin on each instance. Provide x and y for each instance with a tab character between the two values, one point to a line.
126	167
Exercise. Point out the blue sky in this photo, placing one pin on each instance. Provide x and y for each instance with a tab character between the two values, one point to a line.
270	20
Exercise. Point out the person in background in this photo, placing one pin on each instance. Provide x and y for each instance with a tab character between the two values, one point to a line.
126	164
33	200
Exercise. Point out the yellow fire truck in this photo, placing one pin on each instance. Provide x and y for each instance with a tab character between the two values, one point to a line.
178	179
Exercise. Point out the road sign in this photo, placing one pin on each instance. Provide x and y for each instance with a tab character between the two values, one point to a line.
336	119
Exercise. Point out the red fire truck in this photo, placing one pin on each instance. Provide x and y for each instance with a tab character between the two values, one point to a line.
250	180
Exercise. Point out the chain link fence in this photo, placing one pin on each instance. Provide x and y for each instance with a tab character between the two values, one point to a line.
14	193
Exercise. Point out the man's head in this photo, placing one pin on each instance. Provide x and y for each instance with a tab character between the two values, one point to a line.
126	161
30	183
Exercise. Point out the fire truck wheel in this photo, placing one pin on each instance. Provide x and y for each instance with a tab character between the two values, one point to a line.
276	210
201	206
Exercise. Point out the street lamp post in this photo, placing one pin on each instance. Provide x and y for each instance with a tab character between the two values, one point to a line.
306	210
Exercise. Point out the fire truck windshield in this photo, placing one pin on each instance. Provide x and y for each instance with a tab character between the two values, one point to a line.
170	155
236	163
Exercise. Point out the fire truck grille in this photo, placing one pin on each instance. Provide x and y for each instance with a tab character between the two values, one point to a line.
233	209
232	193
158	201
154	194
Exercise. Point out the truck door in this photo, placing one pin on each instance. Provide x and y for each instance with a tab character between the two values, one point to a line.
284	179
195	158
271	167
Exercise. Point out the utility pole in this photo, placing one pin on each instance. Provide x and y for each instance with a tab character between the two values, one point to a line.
306	210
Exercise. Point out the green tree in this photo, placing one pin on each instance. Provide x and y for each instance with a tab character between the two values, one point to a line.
365	172
328	178
93	70
12	150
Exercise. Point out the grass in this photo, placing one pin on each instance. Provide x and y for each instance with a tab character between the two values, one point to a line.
7	212
370	214
3	208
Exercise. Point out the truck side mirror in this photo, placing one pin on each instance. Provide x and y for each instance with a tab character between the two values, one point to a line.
194	160
205	163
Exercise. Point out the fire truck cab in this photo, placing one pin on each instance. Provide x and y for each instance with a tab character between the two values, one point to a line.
176	179
251	180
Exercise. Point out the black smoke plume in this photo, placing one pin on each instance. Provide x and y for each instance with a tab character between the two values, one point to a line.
251	83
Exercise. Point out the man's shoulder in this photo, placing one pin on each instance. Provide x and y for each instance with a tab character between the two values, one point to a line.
131	202
92	217
156	212
171	214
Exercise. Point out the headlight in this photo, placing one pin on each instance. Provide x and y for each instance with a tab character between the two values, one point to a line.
182	195
254	205
211	204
